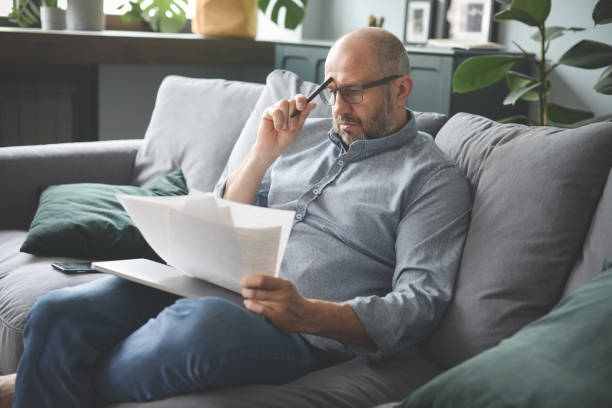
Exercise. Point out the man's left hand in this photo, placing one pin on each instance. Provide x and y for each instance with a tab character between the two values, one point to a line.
277	300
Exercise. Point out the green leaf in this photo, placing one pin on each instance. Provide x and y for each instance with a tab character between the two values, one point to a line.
602	13
564	115
604	83
554	32
530	12
588	54
479	72
167	16
294	11
517	93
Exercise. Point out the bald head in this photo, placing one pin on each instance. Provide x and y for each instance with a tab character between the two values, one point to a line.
378	48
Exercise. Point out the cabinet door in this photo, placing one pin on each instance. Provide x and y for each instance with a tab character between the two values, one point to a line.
308	62
432	86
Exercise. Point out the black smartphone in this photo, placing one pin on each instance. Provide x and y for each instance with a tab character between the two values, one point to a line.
72	268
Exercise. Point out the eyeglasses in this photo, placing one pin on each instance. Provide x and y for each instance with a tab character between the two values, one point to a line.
352	93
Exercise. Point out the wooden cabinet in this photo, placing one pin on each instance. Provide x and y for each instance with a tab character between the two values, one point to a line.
432	71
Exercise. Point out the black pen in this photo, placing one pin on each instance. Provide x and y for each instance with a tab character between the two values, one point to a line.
313	95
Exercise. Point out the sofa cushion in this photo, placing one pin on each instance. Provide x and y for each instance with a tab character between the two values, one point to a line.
85	220
282	84
598	244
355	384
193	127
560	360
535	191
24	277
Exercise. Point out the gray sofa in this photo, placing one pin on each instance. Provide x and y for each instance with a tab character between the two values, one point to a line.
540	226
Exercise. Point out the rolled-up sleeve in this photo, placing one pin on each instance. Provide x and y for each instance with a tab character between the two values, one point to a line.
261	197
428	248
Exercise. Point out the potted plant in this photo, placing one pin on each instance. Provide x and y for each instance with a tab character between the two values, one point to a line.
52	17
479	72
26	13
168	16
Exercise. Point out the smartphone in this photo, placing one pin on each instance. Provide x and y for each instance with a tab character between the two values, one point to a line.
73	268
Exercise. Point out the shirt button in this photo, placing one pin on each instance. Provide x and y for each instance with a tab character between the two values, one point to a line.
340	163
315	191
299	217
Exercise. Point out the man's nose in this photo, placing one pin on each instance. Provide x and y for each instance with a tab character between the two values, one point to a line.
341	107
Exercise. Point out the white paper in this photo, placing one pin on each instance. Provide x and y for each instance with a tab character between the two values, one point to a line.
210	238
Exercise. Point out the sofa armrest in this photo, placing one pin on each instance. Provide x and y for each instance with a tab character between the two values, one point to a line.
26	170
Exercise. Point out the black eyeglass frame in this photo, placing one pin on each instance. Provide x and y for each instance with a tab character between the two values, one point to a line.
361	88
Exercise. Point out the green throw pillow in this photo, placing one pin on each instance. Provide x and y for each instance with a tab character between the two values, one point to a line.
85	220
563	359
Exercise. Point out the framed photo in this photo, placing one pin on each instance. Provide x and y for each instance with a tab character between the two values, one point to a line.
471	20
419	21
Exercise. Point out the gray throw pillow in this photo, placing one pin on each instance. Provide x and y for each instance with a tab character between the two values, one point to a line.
194	126
535	191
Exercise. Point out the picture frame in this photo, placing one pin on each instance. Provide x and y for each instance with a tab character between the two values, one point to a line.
471	20
418	21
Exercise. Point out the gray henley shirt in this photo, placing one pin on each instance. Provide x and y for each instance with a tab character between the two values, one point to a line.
380	227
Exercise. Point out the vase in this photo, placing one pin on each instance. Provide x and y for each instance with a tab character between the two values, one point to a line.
225	18
85	15
52	18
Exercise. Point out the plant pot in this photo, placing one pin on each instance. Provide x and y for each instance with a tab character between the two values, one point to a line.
52	18
225	18
85	15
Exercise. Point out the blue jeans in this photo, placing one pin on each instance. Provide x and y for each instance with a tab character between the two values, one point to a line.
112	340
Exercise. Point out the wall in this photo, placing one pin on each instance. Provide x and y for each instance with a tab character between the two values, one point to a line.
329	19
571	87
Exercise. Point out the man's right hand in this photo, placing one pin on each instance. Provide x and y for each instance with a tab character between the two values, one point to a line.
277	131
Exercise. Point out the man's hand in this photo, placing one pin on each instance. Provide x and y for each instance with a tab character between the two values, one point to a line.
277	300
277	130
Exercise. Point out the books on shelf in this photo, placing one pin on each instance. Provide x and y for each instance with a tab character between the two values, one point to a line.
463	44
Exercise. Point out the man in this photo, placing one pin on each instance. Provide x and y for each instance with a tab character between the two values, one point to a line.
381	217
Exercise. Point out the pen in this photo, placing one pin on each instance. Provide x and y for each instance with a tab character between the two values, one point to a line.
313	95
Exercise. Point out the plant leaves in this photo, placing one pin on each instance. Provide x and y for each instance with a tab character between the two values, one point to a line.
479	72
553	32
588	54
604	83
564	115
530	12
516	93
167	16
602	12
294	11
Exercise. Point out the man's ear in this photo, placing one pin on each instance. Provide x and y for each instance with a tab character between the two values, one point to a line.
406	85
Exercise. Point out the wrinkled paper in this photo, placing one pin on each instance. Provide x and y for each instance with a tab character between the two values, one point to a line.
210	238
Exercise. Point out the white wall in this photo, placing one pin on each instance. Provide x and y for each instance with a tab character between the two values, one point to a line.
572	87
329	19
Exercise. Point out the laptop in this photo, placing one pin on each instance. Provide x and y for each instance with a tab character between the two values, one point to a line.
166	278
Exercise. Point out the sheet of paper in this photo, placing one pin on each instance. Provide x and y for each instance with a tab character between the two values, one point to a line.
210	238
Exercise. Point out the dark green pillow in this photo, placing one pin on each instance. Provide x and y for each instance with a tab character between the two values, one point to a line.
563	359
85	220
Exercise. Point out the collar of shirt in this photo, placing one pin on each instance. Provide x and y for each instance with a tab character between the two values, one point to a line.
360	149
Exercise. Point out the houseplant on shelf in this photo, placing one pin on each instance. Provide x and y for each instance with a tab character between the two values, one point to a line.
51	16
26	13
168	16
479	72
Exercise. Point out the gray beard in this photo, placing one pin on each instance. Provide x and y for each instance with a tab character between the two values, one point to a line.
380	125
